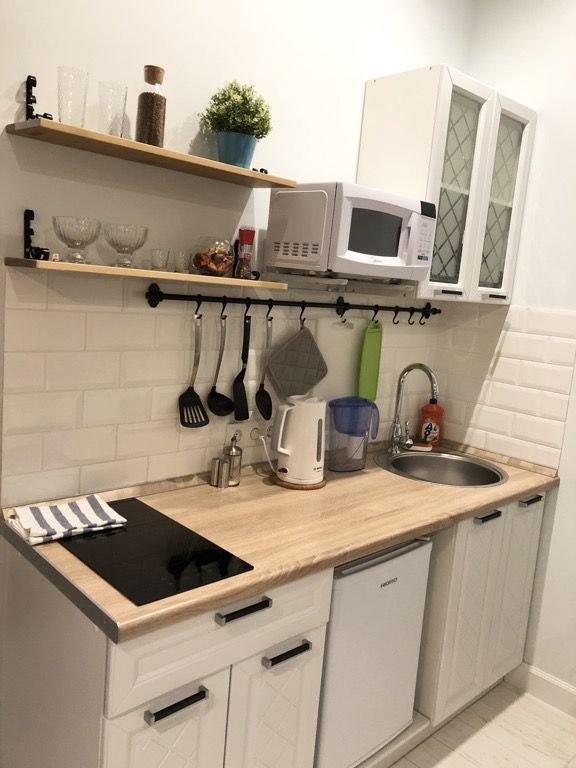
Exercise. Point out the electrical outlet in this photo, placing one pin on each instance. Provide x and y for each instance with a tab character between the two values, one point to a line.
248	433
255	434
269	432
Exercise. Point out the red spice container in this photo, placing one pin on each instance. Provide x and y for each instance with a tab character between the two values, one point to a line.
430	427
244	264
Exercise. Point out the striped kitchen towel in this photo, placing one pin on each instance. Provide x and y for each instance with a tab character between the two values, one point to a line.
46	522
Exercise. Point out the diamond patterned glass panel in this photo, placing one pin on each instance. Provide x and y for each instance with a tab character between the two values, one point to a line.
500	207
456	175
460	142
447	255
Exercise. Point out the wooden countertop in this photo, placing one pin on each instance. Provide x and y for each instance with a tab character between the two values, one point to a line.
284	534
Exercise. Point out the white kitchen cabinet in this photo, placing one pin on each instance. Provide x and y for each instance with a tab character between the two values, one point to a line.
186	728
480	584
438	135
274	698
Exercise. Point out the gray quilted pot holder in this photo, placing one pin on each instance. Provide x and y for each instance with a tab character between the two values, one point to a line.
297	366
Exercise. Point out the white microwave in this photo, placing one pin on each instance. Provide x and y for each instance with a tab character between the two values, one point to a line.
349	230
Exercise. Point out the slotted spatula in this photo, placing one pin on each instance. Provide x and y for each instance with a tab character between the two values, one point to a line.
192	412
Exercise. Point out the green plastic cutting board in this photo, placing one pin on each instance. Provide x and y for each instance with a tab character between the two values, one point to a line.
370	361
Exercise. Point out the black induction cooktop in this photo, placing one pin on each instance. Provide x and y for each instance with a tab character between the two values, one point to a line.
153	556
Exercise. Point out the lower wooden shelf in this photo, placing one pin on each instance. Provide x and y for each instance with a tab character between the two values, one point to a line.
146	274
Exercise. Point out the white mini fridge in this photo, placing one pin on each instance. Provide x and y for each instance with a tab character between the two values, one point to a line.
372	650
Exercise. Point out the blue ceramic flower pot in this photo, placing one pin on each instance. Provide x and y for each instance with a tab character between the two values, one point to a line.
236	148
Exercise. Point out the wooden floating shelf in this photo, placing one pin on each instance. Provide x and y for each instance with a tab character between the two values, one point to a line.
53	132
146	274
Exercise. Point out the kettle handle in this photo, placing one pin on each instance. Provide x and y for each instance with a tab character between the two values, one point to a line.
374	421
278	430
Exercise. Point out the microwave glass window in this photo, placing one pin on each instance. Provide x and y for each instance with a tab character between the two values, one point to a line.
508	147
374	233
455	188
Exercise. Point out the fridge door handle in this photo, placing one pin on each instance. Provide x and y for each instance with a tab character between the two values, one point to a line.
380	557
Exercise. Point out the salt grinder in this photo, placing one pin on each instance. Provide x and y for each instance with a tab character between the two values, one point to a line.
234	455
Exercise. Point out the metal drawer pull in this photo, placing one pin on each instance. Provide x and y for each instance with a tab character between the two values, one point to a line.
497	296
224	618
306	645
154	717
530	501
451	293
487	518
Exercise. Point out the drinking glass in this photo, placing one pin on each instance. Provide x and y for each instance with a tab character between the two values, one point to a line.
159	258
72	88
111	107
181	261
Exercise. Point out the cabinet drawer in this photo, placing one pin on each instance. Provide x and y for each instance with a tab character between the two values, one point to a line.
184	728
161	661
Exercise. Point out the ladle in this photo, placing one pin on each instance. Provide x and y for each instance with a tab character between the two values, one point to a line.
218	403
263	399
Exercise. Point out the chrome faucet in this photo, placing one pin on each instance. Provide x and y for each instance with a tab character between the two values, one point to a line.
401	441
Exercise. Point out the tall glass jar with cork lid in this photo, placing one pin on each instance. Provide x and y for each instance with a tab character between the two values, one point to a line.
151	109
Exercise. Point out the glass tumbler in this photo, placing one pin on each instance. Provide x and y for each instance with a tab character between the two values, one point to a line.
159	258
181	261
111	107
72	89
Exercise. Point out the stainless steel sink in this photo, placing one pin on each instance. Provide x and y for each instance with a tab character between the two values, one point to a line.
443	468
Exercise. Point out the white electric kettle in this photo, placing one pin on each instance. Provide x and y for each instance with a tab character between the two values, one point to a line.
298	439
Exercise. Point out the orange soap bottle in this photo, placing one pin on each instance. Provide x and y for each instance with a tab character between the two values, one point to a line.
430	427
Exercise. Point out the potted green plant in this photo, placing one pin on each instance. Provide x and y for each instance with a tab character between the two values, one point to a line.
239	117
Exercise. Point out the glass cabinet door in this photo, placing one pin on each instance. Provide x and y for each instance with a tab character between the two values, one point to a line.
508	146
455	189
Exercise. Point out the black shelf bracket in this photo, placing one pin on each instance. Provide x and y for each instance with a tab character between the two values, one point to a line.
32	251
154	295
31	83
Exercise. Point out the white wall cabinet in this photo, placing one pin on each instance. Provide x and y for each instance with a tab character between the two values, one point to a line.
480	585
438	135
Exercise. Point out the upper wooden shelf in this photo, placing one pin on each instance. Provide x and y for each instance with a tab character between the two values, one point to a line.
148	274
126	149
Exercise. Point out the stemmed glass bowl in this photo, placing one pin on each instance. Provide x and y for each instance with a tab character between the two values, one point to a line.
125	239
76	233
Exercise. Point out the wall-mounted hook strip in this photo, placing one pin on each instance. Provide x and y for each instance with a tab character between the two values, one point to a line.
155	295
32	251
31	83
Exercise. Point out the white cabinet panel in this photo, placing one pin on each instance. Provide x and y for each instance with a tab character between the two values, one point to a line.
192	737
273	711
514	589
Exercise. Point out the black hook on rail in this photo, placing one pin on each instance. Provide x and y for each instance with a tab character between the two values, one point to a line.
302	310
270	305
248	303
224	303
410	320
198	299
376	311
395	318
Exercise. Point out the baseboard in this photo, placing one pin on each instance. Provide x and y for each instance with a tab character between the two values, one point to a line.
548	688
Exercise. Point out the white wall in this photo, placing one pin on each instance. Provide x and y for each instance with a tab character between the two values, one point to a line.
526	49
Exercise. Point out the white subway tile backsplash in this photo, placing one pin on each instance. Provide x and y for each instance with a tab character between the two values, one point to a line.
551	323
82	370
560	351
509	446
537	430
116	406
153	368
147	438
43	330
547	457
491	419
514	398
177	464
21	453
40	486
41	411
24	371
165	401
505	370
25	289
553	406
74	292
113	474
73	447
553	378
524	347
120	331
175	332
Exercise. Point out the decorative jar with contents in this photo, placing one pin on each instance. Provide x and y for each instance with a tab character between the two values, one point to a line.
151	109
217	259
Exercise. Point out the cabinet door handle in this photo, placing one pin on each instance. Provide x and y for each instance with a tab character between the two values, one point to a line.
447	292
497	296
486	519
267	662
530	501
224	618
154	717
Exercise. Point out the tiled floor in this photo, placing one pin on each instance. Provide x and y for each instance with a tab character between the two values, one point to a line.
504	729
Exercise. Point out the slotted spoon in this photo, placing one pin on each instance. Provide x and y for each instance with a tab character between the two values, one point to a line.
218	403
192	412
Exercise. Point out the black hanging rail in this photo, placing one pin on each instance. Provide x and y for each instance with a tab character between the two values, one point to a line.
154	295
